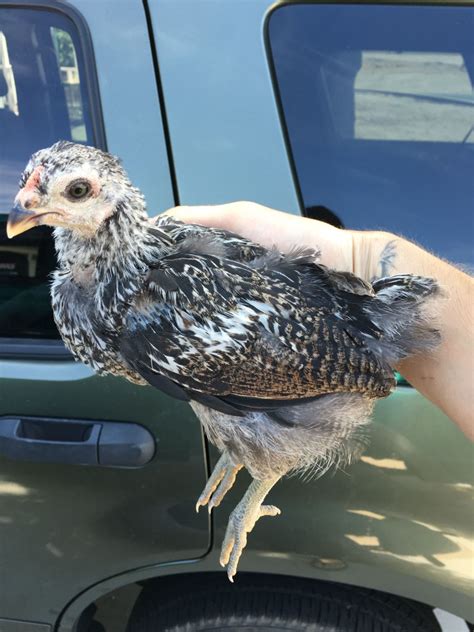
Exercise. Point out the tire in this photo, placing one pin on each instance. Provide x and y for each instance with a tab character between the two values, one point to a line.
259	603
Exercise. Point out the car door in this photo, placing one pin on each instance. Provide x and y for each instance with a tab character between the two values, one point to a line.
73	509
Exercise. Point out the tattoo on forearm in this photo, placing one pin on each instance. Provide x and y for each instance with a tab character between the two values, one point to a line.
386	261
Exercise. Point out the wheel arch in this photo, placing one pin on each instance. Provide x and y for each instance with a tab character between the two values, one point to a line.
191	571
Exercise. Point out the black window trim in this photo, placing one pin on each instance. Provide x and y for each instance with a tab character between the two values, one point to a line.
38	348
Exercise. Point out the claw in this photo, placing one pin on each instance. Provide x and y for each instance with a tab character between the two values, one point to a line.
235	539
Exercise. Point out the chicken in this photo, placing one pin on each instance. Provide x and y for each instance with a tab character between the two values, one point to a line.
280	358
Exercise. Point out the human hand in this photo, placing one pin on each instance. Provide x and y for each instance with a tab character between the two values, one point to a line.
359	252
272	228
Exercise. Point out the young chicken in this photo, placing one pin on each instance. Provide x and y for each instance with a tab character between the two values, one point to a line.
280	358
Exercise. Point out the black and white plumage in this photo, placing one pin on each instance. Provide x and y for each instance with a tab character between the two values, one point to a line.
280	358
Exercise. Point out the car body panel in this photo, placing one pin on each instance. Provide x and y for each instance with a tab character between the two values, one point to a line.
399	521
65	527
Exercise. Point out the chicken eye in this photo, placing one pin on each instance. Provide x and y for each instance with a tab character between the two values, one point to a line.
78	190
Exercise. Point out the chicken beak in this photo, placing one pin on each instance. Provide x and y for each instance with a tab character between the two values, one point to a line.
20	220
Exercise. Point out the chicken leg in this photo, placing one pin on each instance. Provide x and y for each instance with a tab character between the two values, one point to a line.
219	483
242	520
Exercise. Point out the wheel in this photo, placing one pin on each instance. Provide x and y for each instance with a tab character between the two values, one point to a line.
257	603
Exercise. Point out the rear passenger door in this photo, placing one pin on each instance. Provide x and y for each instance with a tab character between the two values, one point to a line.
67	521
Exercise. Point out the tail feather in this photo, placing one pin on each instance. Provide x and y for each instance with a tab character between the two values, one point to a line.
398	309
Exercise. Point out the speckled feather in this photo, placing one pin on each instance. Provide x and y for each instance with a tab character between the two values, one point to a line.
280	357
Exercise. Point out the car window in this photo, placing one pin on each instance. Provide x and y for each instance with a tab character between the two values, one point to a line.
379	110
43	98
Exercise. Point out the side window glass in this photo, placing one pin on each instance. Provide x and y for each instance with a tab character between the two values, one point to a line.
379	107
43	98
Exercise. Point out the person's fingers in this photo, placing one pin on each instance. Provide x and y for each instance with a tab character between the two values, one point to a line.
253	221
272	228
218	216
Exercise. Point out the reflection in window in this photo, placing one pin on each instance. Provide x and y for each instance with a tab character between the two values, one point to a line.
8	97
413	96
41	68
42	100
69	74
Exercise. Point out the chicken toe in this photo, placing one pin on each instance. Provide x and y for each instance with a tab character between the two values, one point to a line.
242	520
219	483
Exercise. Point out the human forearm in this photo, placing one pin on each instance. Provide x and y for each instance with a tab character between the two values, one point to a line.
445	376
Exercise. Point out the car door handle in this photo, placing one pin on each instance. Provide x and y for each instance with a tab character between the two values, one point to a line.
102	443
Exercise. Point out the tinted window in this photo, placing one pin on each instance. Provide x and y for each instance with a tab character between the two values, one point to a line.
42	100
378	103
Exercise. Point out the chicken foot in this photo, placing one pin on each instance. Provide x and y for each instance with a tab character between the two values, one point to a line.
219	483
242	520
